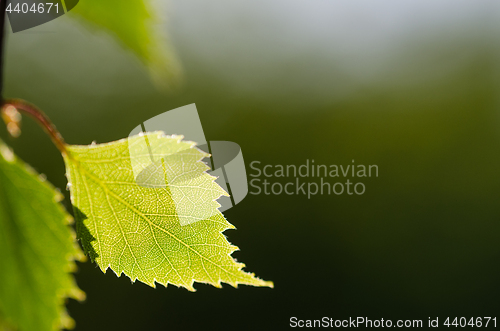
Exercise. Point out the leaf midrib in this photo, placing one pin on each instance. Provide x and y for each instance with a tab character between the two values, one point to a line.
132	208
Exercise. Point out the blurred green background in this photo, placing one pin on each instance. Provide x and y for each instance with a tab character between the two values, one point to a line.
410	86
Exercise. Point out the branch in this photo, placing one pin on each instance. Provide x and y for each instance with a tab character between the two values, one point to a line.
3	14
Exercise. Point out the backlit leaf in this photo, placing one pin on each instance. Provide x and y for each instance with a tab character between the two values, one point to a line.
137	25
147	208
37	250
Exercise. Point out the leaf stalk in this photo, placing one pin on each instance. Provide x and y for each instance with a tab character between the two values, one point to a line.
12	120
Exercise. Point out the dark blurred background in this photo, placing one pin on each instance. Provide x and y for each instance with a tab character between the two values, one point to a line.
412	87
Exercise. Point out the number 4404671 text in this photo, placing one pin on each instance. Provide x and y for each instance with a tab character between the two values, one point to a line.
473	322
39	8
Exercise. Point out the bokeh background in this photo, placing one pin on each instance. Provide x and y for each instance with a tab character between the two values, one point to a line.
410	86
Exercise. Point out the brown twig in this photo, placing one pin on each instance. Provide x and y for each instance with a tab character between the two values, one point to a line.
3	14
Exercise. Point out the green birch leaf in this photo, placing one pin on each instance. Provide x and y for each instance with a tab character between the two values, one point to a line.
37	250
136	25
147	208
